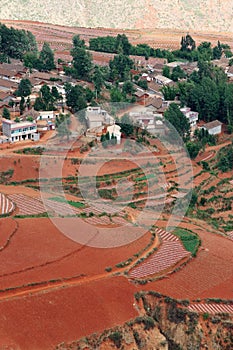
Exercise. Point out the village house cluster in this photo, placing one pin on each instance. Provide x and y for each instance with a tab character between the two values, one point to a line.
147	112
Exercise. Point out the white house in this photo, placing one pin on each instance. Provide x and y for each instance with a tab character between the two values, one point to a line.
144	119
115	130
214	127
19	131
161	80
96	117
191	116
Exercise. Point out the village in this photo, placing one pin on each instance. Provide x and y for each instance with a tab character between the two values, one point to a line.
147	110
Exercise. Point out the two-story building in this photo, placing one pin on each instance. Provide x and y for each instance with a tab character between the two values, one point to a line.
19	131
191	116
96	117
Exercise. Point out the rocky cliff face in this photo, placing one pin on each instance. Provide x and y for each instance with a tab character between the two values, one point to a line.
163	324
207	15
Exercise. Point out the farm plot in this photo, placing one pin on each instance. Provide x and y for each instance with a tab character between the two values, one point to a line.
169	254
211	308
61	208
6	205
27	205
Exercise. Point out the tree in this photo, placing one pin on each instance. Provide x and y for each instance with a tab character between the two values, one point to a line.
82	59
193	149
22	105
169	92
143	84
205	51
187	43
177	73
126	125
46	58
128	87
30	60
98	79
178	120
47	98
75	97
77	42
24	88
217	51
166	72
122	44
55	93
120	67
39	104
6	113
116	95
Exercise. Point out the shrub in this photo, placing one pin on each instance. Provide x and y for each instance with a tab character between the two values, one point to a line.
116	337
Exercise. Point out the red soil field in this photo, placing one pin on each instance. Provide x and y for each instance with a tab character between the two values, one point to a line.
41	321
40	252
208	275
7	228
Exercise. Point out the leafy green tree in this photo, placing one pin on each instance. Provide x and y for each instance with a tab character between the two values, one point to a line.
116	95
47	97
143	84
98	79
178	120
30	60
120	67
62	125
78	42
169	92
166	72
6	113
39	104
128	87
22	105
126	125
122	44
89	95
15	43
217	51
177	73
205	51
55	93
82	59
187	43
75	97
24	88
193	149
46	58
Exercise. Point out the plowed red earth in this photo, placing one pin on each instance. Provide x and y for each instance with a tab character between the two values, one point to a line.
210	274
7	227
40	252
39	322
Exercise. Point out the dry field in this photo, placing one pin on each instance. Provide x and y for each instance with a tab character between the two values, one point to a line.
60	37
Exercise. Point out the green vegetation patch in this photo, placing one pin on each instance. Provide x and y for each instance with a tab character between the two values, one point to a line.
190	240
63	200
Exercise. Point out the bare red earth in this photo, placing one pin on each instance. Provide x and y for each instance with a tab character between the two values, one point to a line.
41	321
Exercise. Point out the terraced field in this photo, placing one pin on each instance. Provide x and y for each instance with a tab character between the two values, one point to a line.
170	253
6	205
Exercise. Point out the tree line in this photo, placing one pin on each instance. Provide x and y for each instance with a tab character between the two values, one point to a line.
14	43
188	49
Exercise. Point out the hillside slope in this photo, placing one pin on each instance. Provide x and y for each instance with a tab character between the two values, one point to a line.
209	15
